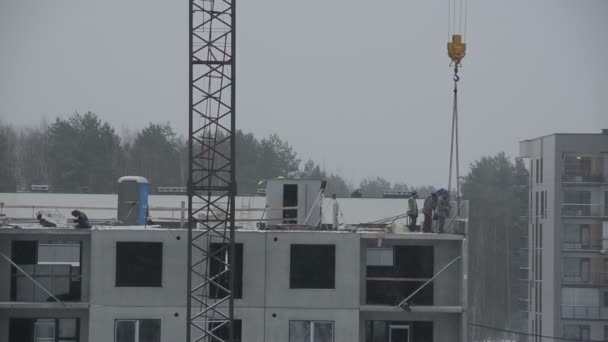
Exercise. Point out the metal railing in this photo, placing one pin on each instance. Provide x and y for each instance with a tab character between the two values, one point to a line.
597	178
592	245
581	209
591	278
584	312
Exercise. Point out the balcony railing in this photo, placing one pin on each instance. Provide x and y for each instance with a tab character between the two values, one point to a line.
592	245
594	278
584	312
582	209
583	178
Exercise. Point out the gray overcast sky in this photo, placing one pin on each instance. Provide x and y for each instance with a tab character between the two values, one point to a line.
363	87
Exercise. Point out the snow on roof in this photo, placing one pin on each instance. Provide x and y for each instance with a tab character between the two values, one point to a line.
137	179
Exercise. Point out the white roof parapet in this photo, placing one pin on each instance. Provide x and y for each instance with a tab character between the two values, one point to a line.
138	179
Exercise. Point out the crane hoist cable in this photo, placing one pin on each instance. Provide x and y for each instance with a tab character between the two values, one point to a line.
456	51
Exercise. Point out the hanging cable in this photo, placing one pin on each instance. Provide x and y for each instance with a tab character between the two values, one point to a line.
454	141
449	18
466	9
456	52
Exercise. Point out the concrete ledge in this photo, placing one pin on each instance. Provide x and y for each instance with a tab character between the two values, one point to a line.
46	231
44	305
415	308
412	236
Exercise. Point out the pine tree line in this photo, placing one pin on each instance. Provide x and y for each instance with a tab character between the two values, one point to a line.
85	154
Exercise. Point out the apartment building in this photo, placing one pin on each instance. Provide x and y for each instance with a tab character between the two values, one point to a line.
129	285
568	236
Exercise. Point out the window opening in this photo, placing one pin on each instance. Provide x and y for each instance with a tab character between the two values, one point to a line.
290	199
137	330
399	333
53	264
43	329
139	264
312	267
220	329
388	285
585	236
380	257
218	267
311	331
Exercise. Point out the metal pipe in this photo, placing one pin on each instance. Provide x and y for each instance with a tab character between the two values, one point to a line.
427	282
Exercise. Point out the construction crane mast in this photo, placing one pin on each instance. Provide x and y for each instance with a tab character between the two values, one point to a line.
211	181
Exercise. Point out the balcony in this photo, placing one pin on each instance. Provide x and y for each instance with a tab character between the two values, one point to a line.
582	210
579	246
583	179
584	312
594	278
584	168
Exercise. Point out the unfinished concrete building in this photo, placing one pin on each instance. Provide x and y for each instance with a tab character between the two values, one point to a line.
128	284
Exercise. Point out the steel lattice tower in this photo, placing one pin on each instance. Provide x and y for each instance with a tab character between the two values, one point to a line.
211	183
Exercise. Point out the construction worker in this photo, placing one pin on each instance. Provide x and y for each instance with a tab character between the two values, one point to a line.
443	211
336	211
412	211
81	219
430	204
44	220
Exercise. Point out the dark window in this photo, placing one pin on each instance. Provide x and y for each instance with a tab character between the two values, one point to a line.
537	171
541	170
290	199
137	330
578	203
53	264
219	259
139	264
585	333
220	329
546	203
399	331
312	267
311	331
585	236
540	236
605	297
542	204
43	329
389	285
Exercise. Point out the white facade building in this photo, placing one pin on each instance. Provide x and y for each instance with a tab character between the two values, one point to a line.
568	232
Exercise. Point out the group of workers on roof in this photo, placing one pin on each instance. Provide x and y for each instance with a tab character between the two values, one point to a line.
436	208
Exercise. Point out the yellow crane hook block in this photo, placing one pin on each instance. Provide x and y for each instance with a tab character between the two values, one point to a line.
457	49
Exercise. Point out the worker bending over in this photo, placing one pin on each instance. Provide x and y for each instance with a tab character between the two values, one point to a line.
430	205
45	221
81	219
412	211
